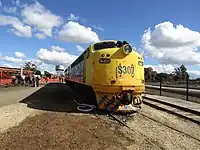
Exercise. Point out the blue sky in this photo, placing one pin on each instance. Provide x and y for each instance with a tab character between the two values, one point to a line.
55	32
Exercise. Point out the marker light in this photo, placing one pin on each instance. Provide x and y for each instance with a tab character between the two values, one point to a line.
140	63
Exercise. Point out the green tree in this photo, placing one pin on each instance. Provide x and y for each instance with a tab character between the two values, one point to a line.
47	74
162	76
147	72
181	73
38	72
32	67
177	73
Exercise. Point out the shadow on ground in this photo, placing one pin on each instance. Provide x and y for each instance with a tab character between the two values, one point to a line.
52	97
55	97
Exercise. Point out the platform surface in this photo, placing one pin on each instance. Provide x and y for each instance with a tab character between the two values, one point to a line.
175	101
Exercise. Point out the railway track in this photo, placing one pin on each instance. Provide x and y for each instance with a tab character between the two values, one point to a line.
183	112
124	119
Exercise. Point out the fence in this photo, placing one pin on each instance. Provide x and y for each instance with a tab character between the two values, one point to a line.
4	82
188	90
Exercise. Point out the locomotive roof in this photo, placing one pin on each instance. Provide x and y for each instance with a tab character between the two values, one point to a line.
104	41
81	56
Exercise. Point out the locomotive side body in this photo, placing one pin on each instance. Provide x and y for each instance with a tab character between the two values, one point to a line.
116	74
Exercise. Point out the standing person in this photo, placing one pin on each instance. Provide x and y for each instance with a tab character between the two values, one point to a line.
26	80
33	80
46	79
37	81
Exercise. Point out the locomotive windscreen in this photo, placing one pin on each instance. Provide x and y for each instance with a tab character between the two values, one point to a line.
104	45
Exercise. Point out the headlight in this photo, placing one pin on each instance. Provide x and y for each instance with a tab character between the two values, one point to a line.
127	49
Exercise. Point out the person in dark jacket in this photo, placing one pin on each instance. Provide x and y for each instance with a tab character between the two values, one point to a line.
37	81
33	80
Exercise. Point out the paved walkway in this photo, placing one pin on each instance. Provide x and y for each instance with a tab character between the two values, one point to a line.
14	95
179	103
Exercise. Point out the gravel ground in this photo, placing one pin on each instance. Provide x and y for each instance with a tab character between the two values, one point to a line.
12	115
48	119
175	95
48	126
162	135
67	131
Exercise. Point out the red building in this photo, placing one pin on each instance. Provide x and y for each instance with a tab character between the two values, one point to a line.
6	74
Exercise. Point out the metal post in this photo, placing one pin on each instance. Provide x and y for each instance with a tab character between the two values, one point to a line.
160	85
187	86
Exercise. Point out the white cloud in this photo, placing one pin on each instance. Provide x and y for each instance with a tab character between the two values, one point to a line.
74	32
18	3
57	48
172	45
12	59
37	15
72	17
47	67
8	9
19	55
194	73
34	61
18	28
98	27
197	72
22	30
7	65
8	20
37	62
40	35
55	57
162	68
79	48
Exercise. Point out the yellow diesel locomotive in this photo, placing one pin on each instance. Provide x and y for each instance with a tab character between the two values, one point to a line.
114	71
